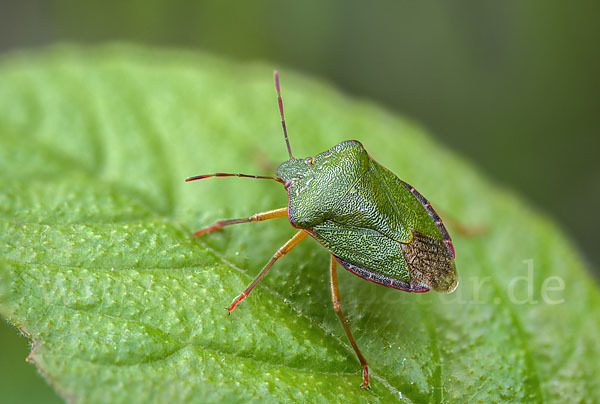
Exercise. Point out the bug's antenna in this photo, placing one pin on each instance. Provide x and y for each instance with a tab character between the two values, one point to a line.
260	177
280	101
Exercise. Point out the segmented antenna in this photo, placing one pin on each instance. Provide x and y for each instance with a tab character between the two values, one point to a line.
280	101
260	177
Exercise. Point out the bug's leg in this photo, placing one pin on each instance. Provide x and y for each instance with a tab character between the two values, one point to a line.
335	299
278	254
257	217
464	229
467	230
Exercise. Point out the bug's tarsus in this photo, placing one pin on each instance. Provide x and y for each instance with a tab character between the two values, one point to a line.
280	102
236	300
216	226
260	177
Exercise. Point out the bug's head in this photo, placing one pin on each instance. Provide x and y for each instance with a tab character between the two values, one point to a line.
293	170
315	185
343	159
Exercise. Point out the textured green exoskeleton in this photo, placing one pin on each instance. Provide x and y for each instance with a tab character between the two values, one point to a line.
374	224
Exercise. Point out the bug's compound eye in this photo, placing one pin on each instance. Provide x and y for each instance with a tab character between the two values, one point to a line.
308	161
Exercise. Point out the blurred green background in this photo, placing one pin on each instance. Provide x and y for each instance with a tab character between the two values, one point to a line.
511	85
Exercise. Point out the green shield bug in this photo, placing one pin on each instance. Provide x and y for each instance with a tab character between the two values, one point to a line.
371	222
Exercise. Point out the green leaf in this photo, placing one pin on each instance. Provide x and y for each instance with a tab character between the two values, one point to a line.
98	263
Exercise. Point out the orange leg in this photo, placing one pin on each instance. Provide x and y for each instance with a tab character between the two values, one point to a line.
257	217
278	254
464	229
335	299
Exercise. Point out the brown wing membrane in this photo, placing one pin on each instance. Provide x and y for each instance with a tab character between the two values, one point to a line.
430	262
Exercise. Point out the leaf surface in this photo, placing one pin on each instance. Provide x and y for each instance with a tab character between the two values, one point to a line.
99	267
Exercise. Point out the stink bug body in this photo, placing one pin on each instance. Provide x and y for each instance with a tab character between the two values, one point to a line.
371	222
